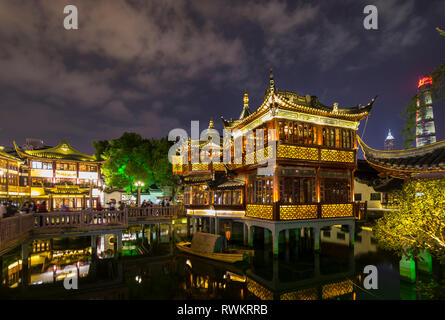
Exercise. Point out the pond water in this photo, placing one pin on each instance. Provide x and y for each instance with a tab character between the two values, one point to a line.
150	267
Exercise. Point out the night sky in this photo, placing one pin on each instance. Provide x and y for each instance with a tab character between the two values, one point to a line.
150	66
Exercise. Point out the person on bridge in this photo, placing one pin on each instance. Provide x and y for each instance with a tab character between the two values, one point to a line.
25	207
2	209
43	207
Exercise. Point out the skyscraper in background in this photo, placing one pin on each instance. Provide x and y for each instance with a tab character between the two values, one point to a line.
425	129
389	141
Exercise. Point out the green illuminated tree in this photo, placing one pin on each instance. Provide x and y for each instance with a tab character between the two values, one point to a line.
410	110
418	221
131	158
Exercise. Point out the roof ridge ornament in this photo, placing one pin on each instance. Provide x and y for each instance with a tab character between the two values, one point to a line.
211	124
246	99
271	81
335	109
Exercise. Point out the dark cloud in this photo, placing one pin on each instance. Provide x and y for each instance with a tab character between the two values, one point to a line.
149	66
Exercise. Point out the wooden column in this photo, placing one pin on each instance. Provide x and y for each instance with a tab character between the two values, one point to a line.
317	185
351	198
7	179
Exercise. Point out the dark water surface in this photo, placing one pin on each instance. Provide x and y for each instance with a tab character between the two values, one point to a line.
150	267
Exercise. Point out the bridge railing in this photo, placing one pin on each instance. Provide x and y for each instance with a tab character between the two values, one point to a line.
155	212
85	220
14	228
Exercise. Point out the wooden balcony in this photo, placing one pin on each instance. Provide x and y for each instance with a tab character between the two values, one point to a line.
313	153
284	212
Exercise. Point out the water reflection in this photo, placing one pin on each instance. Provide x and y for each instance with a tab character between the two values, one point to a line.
142	263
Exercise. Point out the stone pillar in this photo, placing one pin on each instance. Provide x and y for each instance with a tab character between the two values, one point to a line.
93	247
194	224
352	234
1	271
188	227
216	225
407	269
249	236
211	225
25	256
316	233
245	234
150	238
143	233
266	236
275	237
297	242
275	272
158	233
316	264
286	236
351	262
119	240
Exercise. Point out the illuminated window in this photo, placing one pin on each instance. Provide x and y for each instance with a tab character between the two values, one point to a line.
36	165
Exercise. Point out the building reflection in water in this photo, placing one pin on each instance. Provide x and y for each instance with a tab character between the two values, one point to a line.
140	262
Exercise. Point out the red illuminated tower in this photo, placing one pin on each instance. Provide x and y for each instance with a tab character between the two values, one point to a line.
425	129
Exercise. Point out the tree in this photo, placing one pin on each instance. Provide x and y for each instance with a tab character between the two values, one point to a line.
410	110
131	158
418	221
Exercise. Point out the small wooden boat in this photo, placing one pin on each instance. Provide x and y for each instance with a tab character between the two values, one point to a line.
210	246
228	256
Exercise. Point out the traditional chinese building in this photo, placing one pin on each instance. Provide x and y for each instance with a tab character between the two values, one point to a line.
421	162
311	184
11	177
61	176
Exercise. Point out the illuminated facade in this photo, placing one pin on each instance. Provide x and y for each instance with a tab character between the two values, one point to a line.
61	176
11	177
425	129
421	162
313	177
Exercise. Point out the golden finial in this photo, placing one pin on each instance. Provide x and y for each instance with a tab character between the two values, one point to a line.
246	99
271	80
211	124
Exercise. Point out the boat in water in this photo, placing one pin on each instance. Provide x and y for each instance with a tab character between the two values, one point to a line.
210	246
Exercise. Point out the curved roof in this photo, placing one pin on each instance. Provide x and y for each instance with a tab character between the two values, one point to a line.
429	158
292	101
63	151
7	155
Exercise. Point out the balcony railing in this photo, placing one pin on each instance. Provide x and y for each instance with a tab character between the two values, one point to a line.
284	212
18	228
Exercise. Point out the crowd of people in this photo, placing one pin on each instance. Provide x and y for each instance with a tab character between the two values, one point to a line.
145	204
10	209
